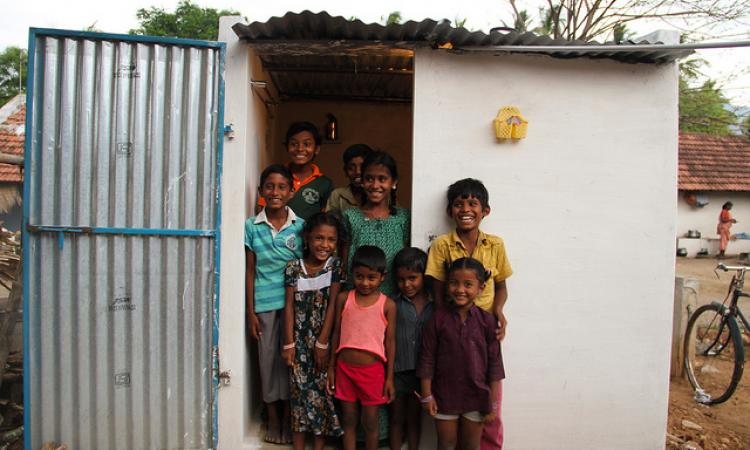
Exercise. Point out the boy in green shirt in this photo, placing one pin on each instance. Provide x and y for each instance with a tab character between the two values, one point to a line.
347	197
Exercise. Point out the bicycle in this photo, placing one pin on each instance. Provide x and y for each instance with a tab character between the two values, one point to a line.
714	355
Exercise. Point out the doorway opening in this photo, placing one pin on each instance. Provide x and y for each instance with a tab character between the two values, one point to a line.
367	88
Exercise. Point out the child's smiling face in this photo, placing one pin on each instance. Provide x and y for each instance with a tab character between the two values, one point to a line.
377	182
353	171
410	282
302	148
276	191
463	287
366	280
468	212
321	242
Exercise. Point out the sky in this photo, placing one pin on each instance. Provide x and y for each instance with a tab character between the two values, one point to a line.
730	67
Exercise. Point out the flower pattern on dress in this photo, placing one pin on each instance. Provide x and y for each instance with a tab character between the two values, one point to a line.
312	408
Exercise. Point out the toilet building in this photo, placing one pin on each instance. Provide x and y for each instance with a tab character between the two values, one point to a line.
143	160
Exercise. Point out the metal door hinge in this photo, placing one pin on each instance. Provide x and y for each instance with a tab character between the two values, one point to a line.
223	377
229	131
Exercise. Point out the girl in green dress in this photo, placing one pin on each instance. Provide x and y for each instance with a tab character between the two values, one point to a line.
378	221
311	282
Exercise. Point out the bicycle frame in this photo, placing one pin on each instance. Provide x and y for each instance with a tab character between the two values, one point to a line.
736	288
732	310
720	330
737	311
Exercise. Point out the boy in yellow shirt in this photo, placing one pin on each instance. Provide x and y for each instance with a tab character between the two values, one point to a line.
468	204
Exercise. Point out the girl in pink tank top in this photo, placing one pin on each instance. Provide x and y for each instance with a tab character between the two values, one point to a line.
364	336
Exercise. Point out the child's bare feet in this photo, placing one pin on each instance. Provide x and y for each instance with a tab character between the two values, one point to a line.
273	428
273	435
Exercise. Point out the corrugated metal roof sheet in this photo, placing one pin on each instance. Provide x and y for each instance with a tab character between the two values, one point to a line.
309	26
714	163
376	77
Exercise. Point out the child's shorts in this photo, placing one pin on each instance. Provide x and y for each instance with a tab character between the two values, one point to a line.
363	383
274	373
406	382
474	416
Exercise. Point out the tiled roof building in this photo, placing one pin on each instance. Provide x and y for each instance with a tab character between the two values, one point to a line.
714	163
12	134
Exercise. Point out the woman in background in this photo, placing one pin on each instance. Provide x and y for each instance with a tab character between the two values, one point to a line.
723	227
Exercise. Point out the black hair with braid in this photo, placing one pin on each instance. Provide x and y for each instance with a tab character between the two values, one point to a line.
470	264
381	158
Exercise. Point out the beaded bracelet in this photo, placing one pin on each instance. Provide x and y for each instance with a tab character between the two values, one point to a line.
321	346
288	346
427	399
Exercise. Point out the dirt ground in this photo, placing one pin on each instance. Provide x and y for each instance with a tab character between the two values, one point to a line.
695	426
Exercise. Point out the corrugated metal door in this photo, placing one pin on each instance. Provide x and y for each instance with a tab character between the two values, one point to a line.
120	251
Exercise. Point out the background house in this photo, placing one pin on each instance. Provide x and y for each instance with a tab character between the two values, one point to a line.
12	133
712	171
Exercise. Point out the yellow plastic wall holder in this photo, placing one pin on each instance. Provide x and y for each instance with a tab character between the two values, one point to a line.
510	124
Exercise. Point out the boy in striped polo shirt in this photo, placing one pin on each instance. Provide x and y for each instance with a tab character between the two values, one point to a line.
272	238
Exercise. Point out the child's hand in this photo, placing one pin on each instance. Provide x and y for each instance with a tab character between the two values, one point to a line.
430	407
254	325
389	391
331	378
490	417
288	356
321	358
502	324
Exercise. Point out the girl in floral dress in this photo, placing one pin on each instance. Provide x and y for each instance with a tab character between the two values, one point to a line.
310	283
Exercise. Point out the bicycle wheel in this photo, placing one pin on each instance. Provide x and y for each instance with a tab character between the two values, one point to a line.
714	356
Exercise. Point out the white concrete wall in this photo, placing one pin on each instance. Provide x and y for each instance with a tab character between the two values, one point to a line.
239	168
705	219
587	206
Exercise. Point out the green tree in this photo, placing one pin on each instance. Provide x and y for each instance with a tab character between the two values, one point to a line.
521	21
187	21
393	17
745	127
620	33
703	107
550	20
459	23
12	73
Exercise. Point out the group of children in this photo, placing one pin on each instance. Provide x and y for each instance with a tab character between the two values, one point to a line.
342	308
